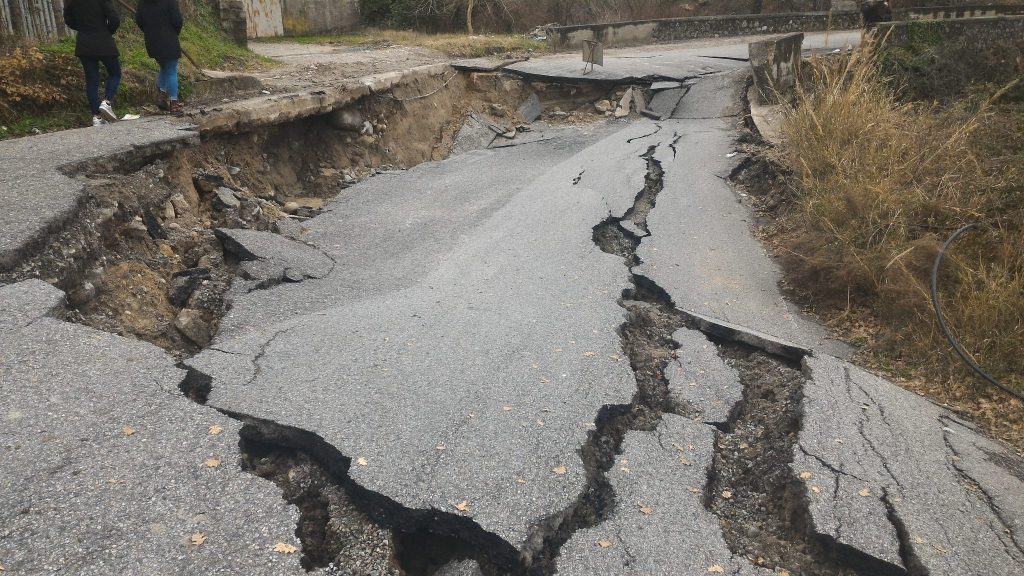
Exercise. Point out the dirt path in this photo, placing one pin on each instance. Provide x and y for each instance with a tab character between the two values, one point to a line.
308	65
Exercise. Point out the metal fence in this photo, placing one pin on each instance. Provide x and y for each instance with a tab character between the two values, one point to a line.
33	19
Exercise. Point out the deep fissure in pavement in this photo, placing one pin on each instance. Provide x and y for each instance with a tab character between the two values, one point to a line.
763	509
646	337
910	559
340	520
331	529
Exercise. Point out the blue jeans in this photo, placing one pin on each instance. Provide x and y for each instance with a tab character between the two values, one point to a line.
91	65
167	77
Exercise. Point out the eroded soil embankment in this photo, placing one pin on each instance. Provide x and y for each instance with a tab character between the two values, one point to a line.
141	257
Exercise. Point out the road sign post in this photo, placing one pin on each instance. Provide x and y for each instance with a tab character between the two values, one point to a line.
593	55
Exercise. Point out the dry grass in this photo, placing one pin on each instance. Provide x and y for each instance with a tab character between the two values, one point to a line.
880	184
452	45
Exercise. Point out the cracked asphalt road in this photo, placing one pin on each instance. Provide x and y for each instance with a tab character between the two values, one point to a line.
448	341
467	341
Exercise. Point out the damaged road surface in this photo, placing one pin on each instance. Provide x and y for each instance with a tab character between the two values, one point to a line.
561	354
122	478
546	359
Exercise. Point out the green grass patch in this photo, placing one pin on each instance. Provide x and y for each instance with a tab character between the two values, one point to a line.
47	122
202	37
50	88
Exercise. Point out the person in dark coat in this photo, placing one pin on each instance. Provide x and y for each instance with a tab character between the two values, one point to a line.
96	21
161	22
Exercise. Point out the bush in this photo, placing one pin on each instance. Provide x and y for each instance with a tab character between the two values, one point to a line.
33	82
931	69
881	183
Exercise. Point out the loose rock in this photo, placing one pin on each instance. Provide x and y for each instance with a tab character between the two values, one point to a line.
348	120
84	294
225	198
184	283
137	228
179	204
191	324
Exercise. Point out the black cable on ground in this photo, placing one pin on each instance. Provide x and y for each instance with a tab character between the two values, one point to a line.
945	327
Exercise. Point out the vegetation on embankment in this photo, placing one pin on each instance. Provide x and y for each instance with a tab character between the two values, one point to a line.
452	45
43	86
877	181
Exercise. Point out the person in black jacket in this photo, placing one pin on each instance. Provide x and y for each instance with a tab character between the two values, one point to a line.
161	22
96	21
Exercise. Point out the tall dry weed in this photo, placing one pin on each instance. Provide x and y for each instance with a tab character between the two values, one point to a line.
880	185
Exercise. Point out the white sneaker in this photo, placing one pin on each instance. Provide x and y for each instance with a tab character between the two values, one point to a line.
97	121
107	112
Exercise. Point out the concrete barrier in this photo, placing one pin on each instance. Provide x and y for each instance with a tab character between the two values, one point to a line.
677	29
267	18
776	65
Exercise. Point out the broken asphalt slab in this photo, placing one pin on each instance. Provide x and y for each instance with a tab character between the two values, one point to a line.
673	66
471	392
109	469
724	279
38	188
408	223
660	525
699	379
268	259
890	475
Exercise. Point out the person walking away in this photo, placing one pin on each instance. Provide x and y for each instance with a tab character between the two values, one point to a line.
161	22
96	21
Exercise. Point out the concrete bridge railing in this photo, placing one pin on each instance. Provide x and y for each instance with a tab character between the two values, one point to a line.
677	29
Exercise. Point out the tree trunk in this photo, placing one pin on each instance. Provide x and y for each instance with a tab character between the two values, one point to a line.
469	16
17	20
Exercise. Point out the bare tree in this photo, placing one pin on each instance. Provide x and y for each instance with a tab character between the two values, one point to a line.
450	7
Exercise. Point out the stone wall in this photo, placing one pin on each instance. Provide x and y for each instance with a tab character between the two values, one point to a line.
975	33
966	11
233	20
677	29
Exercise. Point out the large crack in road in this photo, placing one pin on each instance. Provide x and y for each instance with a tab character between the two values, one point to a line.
750	486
